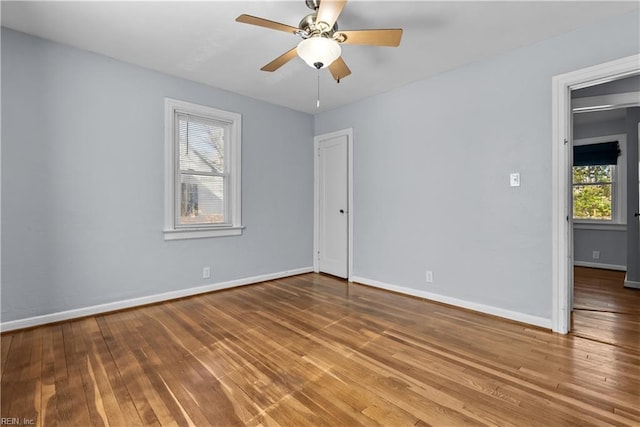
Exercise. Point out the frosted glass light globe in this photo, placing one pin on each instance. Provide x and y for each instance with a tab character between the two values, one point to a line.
319	52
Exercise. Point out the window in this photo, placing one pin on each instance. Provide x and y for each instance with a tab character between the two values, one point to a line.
593	193
202	171
599	180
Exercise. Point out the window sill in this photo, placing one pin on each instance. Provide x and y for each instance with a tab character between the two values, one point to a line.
202	233
599	226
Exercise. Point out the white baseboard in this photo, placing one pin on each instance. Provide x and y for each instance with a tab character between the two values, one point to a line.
599	265
134	302
630	283
487	309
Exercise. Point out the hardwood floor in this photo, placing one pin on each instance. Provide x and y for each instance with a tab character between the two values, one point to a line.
604	310
312	350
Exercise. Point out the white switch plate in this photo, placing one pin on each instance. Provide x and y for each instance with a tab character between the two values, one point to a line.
429	276
514	179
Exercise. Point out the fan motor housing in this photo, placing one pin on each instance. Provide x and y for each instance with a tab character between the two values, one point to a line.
311	27
313	4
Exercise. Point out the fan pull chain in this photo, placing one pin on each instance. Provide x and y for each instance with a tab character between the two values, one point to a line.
318	99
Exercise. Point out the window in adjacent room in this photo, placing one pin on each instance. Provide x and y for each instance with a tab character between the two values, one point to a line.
593	192
202	168
598	181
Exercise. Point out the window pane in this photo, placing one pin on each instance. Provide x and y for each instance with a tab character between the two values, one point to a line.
592	174
592	201
202	200
201	144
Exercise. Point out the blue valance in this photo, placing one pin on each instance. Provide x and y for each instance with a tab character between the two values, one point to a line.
605	153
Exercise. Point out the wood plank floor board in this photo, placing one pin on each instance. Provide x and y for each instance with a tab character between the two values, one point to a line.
73	398
49	398
58	406
105	403
293	413
113	394
356	367
595	384
343	413
556	413
22	367
424	404
5	346
183	384
314	350
123	341
604	310
497	369
361	404
185	387
476	392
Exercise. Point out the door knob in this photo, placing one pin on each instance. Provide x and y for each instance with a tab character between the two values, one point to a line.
637	214
341	211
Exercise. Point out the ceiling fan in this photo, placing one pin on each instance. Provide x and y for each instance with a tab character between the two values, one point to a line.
321	38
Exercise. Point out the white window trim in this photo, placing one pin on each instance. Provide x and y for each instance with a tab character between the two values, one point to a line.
234	198
620	184
598	226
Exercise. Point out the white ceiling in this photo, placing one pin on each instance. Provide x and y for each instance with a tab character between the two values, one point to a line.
201	41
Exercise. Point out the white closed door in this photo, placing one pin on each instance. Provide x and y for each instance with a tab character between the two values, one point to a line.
333	206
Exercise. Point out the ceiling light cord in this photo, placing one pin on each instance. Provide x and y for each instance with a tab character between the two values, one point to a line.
318	98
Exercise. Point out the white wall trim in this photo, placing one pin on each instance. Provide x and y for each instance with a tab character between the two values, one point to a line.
561	229
316	192
486	309
600	265
140	301
631	284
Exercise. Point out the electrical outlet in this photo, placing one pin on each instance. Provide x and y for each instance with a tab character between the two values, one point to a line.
596	255
206	273
429	276
514	179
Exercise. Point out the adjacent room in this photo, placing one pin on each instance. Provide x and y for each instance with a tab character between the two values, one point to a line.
320	212
604	227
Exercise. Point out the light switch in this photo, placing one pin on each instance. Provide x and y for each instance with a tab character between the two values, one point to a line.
515	179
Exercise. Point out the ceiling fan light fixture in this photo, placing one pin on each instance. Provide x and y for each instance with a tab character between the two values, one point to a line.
319	52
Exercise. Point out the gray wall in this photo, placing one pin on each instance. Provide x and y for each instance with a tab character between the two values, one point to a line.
600	128
611	243
633	202
82	183
431	172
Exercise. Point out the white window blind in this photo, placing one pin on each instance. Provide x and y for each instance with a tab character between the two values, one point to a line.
202	175
202	146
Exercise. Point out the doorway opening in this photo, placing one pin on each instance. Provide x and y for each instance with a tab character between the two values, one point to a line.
562	178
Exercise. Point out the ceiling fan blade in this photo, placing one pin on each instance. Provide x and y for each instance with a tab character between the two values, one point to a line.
329	11
339	69
389	37
280	60
261	22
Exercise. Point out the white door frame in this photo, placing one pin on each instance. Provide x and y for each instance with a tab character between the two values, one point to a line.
563	84
316	194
